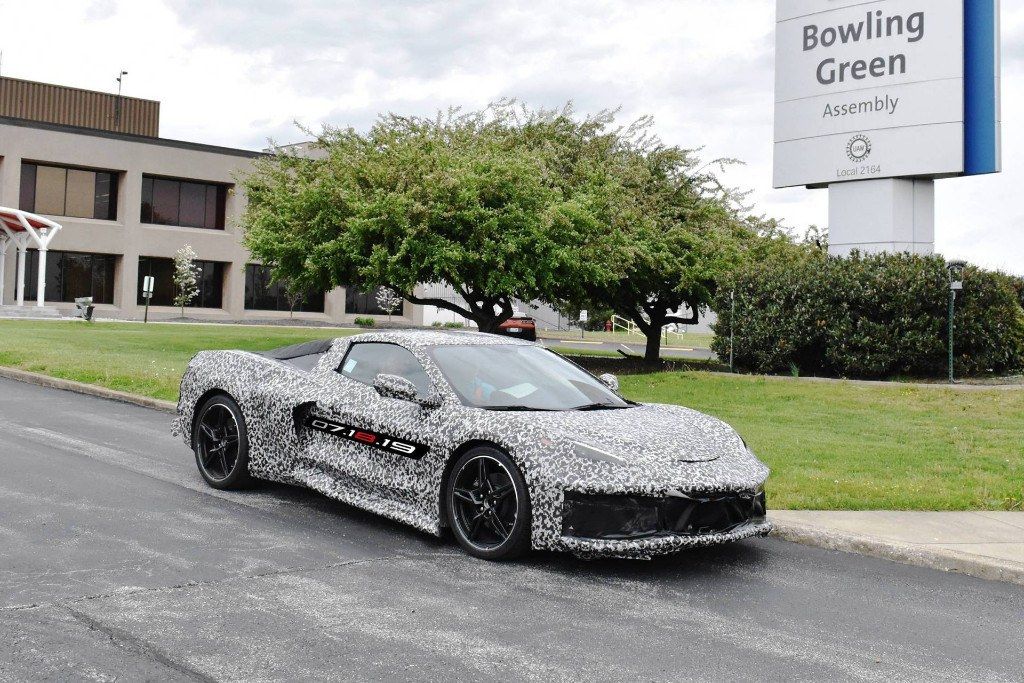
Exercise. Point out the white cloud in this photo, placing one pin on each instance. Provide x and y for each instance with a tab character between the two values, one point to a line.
240	71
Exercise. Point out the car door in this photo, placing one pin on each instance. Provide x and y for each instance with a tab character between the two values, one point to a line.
374	442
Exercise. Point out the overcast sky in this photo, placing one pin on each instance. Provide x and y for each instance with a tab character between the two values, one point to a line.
241	71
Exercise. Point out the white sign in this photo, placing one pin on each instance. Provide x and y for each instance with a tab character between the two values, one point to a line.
583	316
867	90
148	283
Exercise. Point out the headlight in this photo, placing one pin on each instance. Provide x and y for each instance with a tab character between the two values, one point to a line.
588	452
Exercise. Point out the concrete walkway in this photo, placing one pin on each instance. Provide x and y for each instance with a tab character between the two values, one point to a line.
988	545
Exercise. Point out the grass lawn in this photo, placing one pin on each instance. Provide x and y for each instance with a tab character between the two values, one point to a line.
831	445
141	359
843	446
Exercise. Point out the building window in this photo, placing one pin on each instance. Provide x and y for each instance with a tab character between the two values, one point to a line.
363	302
72	274
210	282
66	191
166	201
263	295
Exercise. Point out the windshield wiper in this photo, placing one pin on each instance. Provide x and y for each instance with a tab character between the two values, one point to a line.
516	408
599	406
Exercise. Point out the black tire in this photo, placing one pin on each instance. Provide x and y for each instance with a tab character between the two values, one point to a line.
220	441
490	515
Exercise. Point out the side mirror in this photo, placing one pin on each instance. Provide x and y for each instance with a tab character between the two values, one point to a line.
610	381
393	386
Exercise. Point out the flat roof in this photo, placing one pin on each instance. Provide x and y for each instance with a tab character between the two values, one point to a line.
128	137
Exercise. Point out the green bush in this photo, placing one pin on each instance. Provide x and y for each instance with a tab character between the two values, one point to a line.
453	326
878	315
1018	286
365	322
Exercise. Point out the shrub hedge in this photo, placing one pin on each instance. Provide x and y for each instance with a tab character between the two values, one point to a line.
867	316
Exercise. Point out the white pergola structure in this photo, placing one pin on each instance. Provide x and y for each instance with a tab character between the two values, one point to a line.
21	229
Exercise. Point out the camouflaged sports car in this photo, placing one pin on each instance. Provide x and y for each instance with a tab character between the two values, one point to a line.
506	443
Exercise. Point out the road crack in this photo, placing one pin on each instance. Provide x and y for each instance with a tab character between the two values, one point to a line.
128	641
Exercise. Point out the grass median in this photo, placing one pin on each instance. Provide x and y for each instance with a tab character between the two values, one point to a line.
831	445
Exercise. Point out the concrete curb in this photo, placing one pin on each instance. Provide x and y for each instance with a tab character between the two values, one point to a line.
959	386
91	390
905	553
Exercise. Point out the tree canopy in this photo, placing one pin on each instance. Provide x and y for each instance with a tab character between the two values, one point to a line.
504	203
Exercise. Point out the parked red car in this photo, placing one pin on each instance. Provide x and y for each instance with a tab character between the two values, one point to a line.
521	327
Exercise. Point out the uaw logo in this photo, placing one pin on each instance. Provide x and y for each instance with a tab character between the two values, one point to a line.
858	148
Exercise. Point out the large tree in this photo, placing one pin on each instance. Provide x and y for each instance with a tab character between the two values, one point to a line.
686	231
500	204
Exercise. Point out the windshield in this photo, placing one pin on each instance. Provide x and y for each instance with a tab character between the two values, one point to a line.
512	377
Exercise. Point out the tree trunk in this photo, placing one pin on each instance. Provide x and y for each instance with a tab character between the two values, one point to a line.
479	310
488	323
653	331
653	351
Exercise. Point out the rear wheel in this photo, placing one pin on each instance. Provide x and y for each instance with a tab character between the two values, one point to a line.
221	443
488	505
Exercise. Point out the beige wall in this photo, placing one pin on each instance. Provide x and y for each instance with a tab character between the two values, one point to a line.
128	237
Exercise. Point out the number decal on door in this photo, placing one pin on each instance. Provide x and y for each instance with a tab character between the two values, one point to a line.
364	436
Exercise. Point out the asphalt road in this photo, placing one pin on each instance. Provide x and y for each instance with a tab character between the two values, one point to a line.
118	563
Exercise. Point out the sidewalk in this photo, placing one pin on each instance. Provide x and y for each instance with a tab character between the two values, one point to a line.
988	545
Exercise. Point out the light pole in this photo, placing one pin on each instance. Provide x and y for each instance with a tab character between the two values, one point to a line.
956	274
732	330
117	104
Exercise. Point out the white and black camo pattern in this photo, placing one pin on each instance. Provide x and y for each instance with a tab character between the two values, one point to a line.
665	448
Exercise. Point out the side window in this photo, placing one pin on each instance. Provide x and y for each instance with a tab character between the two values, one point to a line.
365	360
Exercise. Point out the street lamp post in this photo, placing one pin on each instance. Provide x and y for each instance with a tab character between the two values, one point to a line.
956	274
117	102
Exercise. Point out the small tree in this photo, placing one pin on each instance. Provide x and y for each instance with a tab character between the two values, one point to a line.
186	277
294	294
389	300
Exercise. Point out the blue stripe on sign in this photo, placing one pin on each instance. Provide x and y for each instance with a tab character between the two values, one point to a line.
981	153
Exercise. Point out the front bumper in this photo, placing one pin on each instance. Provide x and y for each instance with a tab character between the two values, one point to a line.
646	548
641	526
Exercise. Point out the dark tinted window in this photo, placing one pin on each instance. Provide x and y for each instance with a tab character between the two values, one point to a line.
364	361
166	197
28	187
364	302
166	201
70	275
210	282
193	204
105	199
263	295
65	191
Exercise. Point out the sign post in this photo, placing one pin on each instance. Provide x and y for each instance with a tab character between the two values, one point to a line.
875	100
148	283
583	319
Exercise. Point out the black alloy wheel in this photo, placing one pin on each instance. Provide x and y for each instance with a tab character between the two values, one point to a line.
221	443
488	505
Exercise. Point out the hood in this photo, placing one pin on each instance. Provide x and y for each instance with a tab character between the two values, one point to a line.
649	433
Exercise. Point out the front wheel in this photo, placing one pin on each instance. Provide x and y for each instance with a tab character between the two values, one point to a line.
488	505
221	443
